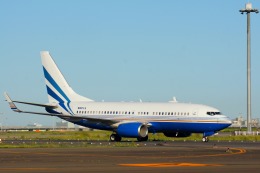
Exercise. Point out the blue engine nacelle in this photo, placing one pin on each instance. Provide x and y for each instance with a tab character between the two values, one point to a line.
132	130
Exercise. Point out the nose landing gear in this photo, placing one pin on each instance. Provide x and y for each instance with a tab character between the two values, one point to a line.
205	139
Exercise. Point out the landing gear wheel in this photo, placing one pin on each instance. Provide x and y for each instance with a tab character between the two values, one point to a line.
205	139
112	137
140	139
115	137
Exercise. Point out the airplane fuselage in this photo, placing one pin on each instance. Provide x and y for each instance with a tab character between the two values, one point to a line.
162	117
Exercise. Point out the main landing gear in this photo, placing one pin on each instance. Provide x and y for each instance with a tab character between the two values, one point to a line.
205	139
140	139
115	137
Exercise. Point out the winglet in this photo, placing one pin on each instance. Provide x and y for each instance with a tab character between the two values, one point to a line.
11	103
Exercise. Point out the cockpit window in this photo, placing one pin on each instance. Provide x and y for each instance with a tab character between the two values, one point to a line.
213	113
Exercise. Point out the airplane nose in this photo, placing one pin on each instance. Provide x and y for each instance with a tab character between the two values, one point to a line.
226	120
229	121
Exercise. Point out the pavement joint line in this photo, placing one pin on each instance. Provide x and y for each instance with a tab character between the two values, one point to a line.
27	169
227	153
160	165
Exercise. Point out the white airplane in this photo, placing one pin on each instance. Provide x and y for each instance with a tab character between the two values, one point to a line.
132	120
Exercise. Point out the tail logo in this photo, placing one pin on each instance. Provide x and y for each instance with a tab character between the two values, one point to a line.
64	103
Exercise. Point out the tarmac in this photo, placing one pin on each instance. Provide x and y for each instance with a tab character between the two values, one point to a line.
146	157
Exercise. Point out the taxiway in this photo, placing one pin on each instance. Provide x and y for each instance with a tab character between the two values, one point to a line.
146	157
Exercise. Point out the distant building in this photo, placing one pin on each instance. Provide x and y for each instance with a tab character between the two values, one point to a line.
255	122
34	125
239	122
65	125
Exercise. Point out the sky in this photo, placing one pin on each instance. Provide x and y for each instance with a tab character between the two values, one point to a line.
130	50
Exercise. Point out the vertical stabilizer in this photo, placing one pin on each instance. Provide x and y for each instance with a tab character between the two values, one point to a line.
58	89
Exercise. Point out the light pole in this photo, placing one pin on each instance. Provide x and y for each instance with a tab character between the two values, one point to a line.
248	10
1	123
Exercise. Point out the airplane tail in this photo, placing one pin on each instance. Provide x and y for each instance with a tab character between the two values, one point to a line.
58	89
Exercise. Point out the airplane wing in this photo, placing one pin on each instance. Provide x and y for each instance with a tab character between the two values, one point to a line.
12	105
37	104
63	116
15	109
